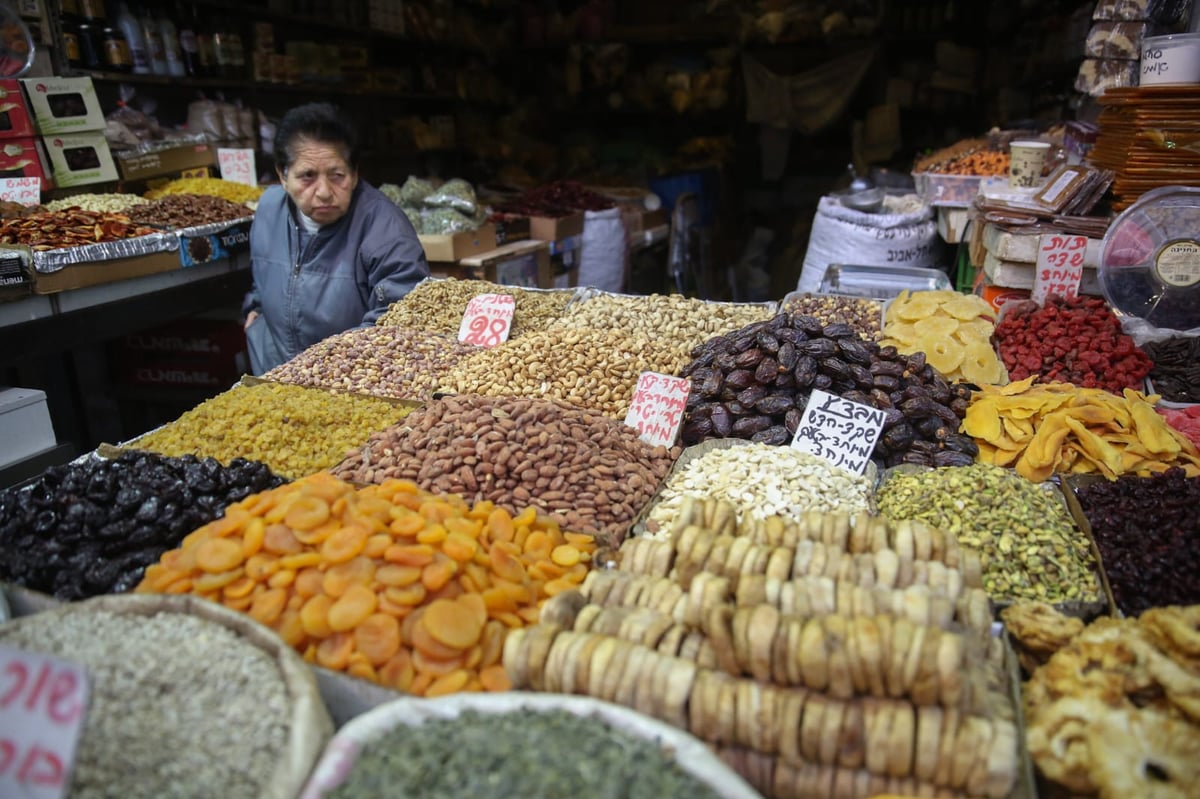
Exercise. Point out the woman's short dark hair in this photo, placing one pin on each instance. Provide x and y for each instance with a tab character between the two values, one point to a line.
320	122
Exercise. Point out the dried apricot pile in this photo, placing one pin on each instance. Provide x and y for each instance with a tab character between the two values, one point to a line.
388	583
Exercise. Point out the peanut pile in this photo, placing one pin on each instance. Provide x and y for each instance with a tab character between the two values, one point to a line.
381	361
592	474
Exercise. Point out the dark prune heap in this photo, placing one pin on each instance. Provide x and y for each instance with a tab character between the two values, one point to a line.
1148	533
755	382
86	529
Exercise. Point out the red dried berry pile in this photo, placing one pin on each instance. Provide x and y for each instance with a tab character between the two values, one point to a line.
1070	341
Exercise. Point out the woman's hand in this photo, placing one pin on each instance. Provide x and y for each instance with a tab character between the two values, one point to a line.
250	317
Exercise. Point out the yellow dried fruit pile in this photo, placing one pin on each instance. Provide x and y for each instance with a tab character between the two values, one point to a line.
953	330
214	187
388	583
1058	427
294	430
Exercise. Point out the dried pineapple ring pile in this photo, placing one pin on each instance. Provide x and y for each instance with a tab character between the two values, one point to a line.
953	330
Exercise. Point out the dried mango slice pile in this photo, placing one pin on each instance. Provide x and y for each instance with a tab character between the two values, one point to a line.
1058	427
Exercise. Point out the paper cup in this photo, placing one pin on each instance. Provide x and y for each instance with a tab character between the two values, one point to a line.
1028	159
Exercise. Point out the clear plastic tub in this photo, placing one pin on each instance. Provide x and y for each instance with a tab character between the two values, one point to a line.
881	282
952	191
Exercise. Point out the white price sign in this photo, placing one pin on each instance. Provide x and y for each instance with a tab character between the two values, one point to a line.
42	704
1059	266
26	191
487	320
237	165
657	408
838	430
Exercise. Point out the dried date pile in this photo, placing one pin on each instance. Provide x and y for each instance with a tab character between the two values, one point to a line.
1148	534
754	384
53	230
188	210
1176	372
92	528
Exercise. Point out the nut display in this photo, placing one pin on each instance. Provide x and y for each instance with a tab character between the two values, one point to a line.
1113	712
387	583
596	369
91	528
760	481
1075	341
381	361
682	322
1053	428
437	306
1148	534
15	210
54	230
953	330
214	187
1028	544
1175	374
590	473
294	430
98	203
756	382
862	314
188	210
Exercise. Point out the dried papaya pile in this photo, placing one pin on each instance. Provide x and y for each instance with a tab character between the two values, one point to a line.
1058	427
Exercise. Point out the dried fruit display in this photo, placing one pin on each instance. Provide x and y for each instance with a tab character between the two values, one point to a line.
188	210
1113	712
1148	533
558	199
1186	421
1176	371
755	382
953	330
1075	341
213	187
387	583
92	528
1049	428
53	230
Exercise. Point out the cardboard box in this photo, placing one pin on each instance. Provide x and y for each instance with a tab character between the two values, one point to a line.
196	250
63	105
23	158
78	159
545	228
81	275
166	162
519	263
25	426
15	119
998	296
204	353
455	247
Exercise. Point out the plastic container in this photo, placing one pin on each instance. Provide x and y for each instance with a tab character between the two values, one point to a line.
881	282
1170	59
952	191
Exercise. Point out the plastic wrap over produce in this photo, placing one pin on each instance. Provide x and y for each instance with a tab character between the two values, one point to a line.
50	261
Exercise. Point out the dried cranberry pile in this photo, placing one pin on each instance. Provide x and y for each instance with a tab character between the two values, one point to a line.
1070	341
1148	533
558	199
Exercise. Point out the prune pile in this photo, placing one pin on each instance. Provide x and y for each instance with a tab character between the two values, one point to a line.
1148	534
92	528
755	382
1176	372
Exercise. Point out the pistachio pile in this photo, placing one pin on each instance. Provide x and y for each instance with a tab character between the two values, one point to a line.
438	306
1028	545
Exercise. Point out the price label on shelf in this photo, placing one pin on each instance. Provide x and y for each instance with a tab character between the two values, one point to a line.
487	320
42	705
838	430
26	191
237	165
657	408
1059	266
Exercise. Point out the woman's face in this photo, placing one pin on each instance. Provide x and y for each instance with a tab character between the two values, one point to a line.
319	181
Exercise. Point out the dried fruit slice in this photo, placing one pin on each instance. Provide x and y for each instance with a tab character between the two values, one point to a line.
945	355
933	328
966	307
917	306
981	366
902	332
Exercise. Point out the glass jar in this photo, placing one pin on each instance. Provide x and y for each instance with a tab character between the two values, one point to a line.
117	56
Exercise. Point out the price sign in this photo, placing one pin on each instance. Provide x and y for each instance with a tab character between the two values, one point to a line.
840	431
237	165
26	191
42	705
1059	266
487	320
657	408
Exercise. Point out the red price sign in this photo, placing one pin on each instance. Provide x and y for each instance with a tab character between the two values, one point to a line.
42	704
26	191
237	165
487	320
1059	266
657	408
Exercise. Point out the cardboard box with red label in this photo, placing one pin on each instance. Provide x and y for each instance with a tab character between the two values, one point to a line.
78	159
15	120
23	158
